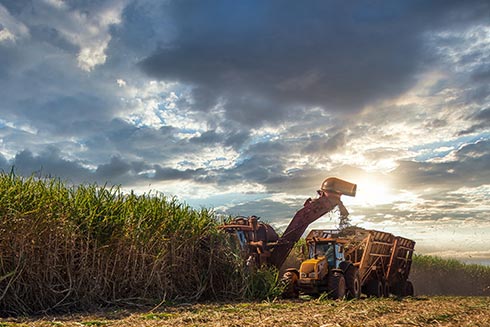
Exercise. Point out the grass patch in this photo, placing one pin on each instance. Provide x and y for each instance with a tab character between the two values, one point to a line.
94	323
158	316
446	311
263	284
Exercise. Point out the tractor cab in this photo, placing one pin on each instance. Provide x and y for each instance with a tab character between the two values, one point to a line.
325	254
331	251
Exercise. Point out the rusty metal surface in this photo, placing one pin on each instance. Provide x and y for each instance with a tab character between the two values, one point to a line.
337	185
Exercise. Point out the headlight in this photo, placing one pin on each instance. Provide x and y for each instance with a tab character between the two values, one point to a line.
303	275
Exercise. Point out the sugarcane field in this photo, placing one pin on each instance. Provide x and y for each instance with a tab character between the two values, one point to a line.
233	163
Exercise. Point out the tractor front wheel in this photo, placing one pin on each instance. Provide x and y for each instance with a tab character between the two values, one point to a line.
353	282
289	282
336	286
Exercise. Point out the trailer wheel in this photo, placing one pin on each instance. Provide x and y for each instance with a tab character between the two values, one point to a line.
398	289
408	288
336	286
353	282
374	288
289	282
386	289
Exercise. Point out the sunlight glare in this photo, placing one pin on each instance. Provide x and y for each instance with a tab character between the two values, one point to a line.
371	192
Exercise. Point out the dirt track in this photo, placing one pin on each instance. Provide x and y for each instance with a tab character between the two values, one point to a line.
420	311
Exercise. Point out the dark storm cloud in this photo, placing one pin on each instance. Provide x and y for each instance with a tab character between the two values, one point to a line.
44	92
113	170
4	166
65	115
117	171
122	172
211	137
483	115
52	36
266	165
237	138
17	6
208	137
261	59
262	163
482	76
324	144
482	119
269	164
157	145
165	173
267	210
143	142
10	59
469	167
50	163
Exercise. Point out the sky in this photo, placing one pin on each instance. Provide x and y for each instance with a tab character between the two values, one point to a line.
247	106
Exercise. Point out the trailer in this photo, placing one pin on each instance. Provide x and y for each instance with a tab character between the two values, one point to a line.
383	260
352	261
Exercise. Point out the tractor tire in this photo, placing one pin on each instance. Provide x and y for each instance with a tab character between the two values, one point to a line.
408	288
353	283
386	289
336	286
398	289
289	283
374	288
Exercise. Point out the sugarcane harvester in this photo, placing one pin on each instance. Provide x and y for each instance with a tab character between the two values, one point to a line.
343	263
263	246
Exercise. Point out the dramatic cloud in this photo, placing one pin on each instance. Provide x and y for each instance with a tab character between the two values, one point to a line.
259	60
248	106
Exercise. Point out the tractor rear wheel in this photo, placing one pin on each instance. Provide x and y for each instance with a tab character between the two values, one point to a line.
336	286
289	282
353	282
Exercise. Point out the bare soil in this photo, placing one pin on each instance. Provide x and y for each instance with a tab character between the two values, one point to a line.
418	311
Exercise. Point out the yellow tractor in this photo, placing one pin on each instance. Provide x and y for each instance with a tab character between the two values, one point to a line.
351	261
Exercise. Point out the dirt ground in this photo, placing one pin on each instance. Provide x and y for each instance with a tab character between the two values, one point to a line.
418	311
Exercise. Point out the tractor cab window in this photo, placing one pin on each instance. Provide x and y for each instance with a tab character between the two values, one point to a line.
241	239
326	250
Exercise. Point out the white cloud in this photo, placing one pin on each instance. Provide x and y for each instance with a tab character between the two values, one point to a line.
472	42
95	37
87	28
60	4
10	28
22	127
92	55
6	35
144	104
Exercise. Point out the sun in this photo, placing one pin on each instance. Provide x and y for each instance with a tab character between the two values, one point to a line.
372	191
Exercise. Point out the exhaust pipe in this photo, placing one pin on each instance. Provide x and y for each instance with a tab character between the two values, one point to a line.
337	185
